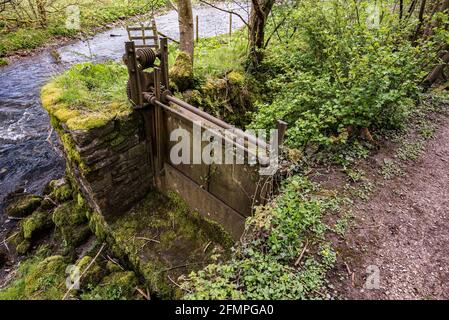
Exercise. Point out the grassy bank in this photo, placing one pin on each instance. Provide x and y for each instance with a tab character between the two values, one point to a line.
340	84
21	28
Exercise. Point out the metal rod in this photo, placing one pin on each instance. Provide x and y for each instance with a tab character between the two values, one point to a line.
216	121
264	161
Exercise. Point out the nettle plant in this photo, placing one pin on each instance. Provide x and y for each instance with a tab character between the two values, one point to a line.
341	72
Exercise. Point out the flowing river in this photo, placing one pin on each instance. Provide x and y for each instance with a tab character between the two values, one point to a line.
28	158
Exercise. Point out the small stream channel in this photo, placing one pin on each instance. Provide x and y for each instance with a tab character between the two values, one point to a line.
27	158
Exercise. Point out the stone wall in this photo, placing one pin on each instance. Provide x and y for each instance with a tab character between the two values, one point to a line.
111	163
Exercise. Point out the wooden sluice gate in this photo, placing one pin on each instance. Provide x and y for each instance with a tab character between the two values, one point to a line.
223	191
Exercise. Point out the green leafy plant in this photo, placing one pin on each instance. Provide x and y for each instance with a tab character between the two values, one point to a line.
339	74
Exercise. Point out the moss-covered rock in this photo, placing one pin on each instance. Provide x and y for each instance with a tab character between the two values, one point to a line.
93	275
226	97
158	235
70	219
37	223
38	279
47	279
23	246
60	190
113	267
181	74
116	286
236	78
73	97
23	205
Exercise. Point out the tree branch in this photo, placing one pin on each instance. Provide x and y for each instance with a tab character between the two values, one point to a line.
224	10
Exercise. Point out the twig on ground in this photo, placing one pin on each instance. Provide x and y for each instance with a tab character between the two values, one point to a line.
348	269
302	253
176	284
147	297
115	262
207	246
5	241
85	270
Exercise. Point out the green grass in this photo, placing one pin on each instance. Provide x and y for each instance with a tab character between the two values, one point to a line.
32	35
88	95
267	265
38	279
216	56
219	55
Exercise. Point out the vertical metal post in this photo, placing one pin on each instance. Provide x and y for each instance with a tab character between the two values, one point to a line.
159	125
164	62
134	75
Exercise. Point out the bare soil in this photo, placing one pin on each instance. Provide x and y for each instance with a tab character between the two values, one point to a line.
401	232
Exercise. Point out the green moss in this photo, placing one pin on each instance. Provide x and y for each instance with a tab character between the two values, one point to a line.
98	225
226	97
70	219
38	279
23	247
23	206
68	214
88	95
72	153
213	229
161	238
181	74
3	62
236	78
113	267
62	193
93	275
117	286
35	224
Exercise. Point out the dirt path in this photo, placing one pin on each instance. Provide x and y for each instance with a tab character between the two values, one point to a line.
403	230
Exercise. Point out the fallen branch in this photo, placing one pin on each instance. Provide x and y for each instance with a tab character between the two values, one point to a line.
173	281
145	295
85	270
5	241
302	253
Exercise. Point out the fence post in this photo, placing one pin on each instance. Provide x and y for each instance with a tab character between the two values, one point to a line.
197	31
230	24
281	127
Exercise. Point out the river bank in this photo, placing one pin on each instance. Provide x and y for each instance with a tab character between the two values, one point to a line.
29	158
22	38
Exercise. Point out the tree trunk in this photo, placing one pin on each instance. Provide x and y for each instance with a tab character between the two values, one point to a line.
422	11
185	19
438	7
437	72
260	11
